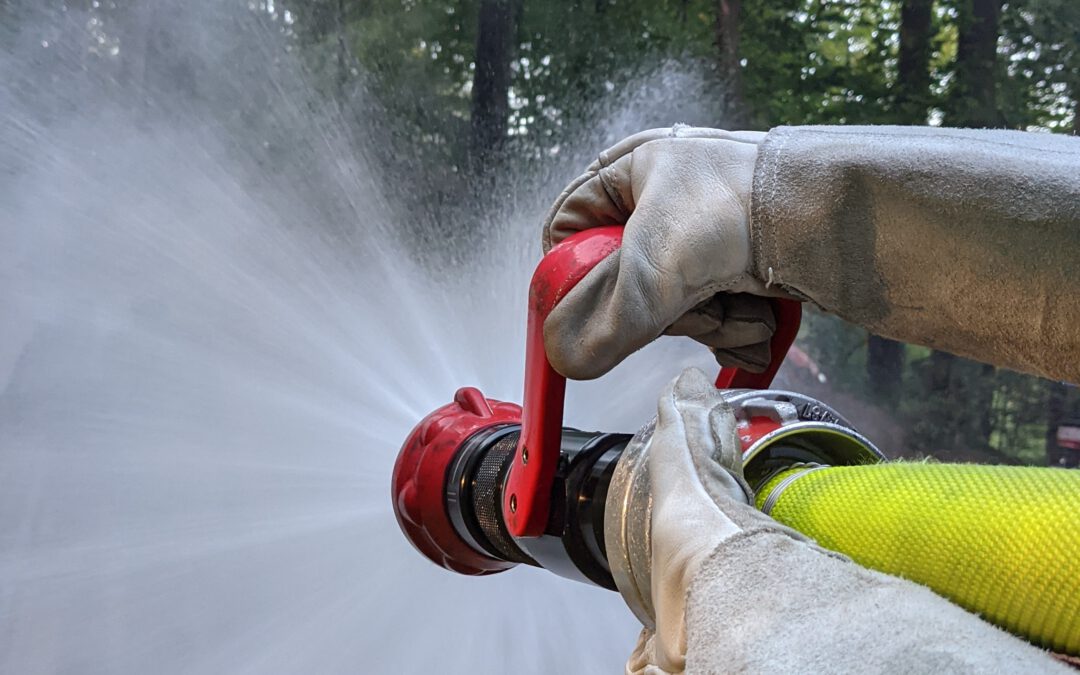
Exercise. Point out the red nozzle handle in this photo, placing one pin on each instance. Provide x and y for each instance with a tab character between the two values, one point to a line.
526	499
788	315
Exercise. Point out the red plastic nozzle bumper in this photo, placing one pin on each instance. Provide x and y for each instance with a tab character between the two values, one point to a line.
418	487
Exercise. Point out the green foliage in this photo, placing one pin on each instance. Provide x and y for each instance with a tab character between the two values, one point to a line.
562	73
1040	50
838	347
1018	417
836	65
803	62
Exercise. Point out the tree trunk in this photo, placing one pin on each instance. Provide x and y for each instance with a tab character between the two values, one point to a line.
1056	399
495	41
727	28
884	367
966	389
911	104
974	95
942	412
912	100
344	62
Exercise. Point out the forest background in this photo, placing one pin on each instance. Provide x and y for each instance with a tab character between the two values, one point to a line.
475	89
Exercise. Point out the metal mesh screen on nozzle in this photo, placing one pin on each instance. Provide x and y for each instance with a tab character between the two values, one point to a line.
572	544
486	498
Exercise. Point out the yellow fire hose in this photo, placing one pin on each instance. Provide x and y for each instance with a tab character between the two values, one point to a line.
1000	541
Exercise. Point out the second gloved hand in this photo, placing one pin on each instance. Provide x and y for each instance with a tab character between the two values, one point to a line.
697	501
683	195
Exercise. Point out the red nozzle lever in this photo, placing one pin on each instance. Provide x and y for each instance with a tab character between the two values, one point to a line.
788	315
526	499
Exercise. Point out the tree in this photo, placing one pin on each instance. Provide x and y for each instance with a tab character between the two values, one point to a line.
728	33
1040	46
973	101
910	105
913	97
444	70
1056	406
496	38
884	366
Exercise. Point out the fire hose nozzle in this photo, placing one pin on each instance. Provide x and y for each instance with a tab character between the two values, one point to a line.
452	476
481	485
419	480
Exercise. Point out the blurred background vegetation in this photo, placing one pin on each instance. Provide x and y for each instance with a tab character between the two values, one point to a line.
470	87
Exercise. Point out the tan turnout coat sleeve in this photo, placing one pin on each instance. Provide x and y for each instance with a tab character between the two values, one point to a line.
963	240
766	603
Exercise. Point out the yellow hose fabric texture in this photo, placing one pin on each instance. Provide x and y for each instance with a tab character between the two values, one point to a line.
1000	541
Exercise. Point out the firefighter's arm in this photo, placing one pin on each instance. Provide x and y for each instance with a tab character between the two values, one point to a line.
967	241
963	240
733	591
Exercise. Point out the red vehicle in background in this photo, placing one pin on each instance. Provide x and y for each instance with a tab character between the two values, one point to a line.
1067	454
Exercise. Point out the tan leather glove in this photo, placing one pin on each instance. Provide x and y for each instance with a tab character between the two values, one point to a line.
722	588
691	480
684	196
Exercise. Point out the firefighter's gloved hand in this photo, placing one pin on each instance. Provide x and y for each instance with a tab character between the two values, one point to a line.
733	591
684	196
699	501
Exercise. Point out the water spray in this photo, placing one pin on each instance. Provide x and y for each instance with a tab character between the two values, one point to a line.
483	485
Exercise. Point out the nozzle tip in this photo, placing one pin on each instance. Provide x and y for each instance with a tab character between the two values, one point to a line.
419	481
